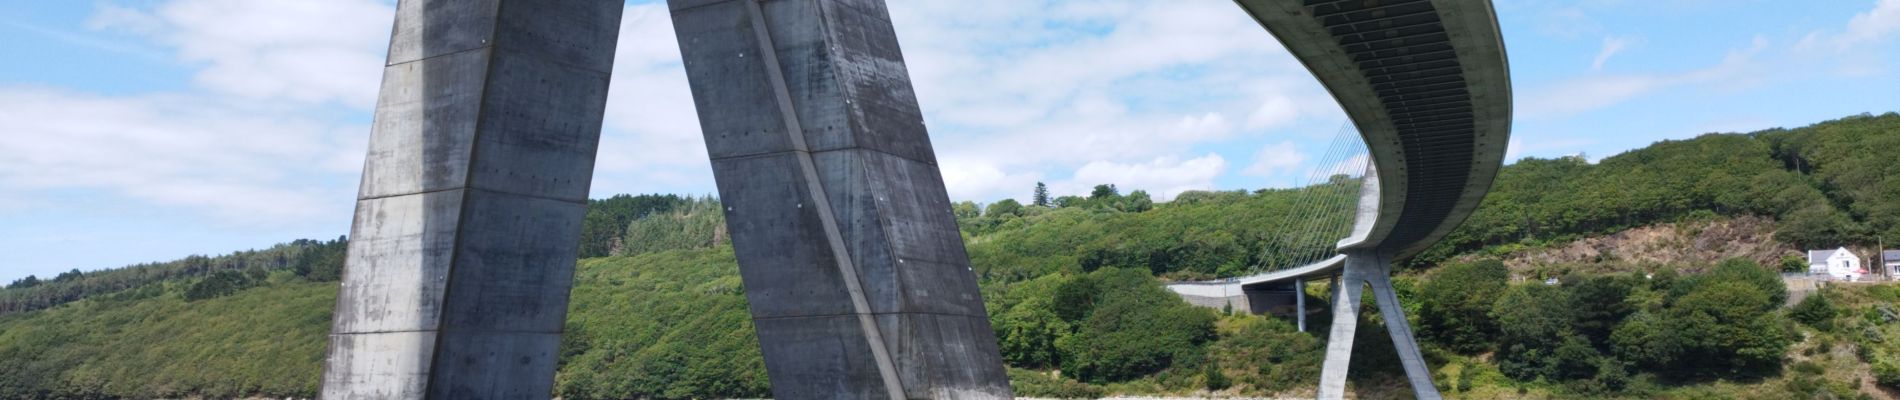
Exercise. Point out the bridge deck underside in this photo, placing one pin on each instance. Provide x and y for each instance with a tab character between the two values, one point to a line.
1404	51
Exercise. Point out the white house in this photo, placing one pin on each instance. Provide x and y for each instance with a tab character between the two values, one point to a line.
1838	264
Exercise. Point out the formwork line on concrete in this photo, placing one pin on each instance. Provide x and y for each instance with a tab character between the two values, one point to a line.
887	369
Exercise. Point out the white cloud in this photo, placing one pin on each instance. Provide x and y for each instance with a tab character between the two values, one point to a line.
298	50
1611	46
1852	49
1275	159
972	179
1019	88
1591	92
1868	27
1275	112
1117	92
244	164
1163	177
256	142
650	141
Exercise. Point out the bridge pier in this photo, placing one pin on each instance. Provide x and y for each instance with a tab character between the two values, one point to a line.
855	272
468	217
1299	302
1371	269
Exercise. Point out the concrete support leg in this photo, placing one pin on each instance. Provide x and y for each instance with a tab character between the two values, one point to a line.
468	218
856	274
1299	302
1332	375
1409	357
1370	269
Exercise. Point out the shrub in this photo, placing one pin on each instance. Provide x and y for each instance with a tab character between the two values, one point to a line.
1137	328
1029	383
1815	311
1455	305
1213	379
1887	373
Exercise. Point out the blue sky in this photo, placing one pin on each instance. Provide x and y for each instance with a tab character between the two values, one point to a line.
135	131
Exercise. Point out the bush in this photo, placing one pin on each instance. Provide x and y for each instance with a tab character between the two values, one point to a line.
1455	305
1029	383
1276	356
1815	311
1533	320
1136	328
1793	263
1887	373
1213	379
219	284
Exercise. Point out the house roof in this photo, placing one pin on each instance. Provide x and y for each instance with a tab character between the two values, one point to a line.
1890	256
1816	257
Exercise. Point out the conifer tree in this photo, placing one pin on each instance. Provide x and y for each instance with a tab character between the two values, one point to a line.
1041	198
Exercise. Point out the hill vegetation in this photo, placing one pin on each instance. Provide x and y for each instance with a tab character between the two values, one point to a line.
1074	289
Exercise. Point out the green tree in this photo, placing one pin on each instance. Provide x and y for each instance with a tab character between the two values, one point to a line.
1136	201
1003	209
1648	340
219	284
1793	263
1455	304
1745	271
1028	332
1041	196
966	210
1815	311
1533	320
27	282
1138	328
1104	191
1598	304
1717	325
1730	329
1074	298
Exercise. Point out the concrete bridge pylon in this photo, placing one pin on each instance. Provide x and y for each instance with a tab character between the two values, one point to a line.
1363	270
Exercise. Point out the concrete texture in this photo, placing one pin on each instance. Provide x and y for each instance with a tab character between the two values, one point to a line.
468	217
854	268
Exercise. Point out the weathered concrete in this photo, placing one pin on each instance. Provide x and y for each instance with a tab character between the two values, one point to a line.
468	217
854	269
1370	269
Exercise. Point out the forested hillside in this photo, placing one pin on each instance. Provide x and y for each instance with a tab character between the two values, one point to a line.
1828	184
1074	289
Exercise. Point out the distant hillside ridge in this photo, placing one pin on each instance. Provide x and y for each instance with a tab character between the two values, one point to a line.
1073	290
1826	184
